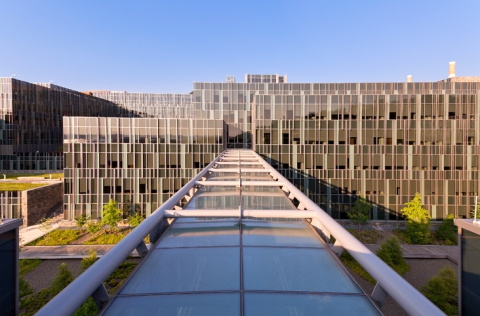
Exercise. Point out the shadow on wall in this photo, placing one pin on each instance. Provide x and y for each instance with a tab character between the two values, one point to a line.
334	200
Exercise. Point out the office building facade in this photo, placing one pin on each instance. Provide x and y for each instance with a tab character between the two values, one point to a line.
138	162
335	141
31	118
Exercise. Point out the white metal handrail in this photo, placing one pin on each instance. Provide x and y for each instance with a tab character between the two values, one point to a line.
407	296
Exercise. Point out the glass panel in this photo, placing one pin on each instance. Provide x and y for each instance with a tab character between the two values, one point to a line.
226	166
215	198
279	234
252	166
222	175
257	176
289	269
307	304
201	235
185	304
265	198
185	270
205	219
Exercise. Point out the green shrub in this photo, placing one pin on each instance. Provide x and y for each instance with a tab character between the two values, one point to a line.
32	303
89	308
57	237
447	231
93	227
417	233
88	261
112	215
135	220
391	253
81	220
442	290
24	287
360	212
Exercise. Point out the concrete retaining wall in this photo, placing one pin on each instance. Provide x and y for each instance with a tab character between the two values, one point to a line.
35	203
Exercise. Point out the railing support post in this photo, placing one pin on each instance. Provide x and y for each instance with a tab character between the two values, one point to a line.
142	249
337	248
100	296
379	295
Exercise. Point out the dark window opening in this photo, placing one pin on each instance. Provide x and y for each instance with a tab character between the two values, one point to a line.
142	188
393	116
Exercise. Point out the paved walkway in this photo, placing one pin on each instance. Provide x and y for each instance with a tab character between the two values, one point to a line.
66	252
426	252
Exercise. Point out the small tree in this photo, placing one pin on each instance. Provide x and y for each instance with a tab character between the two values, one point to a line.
414	210
63	278
93	227
442	290
472	212
417	230
81	220
392	254
360	212
112	215
135	220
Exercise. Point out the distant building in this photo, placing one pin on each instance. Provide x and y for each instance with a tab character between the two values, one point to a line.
265	78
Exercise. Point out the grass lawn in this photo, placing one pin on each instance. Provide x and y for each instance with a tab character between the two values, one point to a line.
27	265
366	236
6	186
350	262
57	237
105	237
46	175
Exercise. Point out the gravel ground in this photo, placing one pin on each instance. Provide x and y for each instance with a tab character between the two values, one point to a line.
421	270
42	276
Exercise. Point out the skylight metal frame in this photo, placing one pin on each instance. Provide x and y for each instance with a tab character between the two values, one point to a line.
90	282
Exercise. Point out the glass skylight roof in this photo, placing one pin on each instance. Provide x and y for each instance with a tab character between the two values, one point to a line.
233	266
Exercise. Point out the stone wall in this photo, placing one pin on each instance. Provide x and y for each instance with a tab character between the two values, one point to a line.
35	203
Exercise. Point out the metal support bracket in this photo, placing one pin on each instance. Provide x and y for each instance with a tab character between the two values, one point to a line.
301	207
291	196
142	249
379	295
100	296
322	230
337	248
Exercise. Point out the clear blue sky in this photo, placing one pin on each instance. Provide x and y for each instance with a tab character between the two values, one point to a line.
163	46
